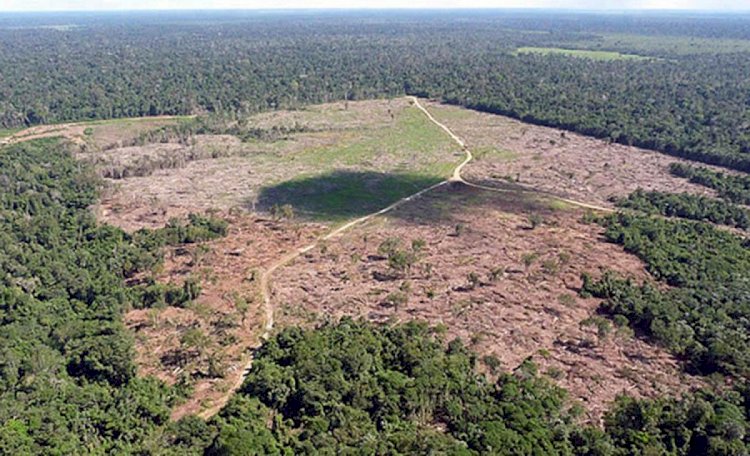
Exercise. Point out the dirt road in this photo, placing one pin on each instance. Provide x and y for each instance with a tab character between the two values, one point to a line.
266	276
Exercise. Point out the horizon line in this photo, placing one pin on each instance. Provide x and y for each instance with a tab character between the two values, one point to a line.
339	9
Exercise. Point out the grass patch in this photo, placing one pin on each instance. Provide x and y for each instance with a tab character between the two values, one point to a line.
559	205
671	45
587	54
491	153
413	143
367	171
4	133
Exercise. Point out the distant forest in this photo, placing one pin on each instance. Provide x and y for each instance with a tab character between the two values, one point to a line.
68	382
689	98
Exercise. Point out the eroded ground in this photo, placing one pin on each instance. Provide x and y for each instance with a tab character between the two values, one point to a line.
505	288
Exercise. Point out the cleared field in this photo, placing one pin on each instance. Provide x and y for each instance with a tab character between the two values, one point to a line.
205	345
582	53
665	44
499	270
346	160
352	159
556	162
92	135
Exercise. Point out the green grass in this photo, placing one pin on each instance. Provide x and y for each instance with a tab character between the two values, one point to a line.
581	53
558	205
368	171
493	154
676	45
4	133
413	142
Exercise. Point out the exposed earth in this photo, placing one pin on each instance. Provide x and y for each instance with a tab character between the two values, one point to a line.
500	269
486	276
557	162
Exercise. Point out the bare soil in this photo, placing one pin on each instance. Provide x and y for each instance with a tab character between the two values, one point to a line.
221	183
486	274
103	133
228	270
523	302
561	163
219	172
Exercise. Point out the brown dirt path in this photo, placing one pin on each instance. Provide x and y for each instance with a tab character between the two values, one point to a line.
457	176
265	286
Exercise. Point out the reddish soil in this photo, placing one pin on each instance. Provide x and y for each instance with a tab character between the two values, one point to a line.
529	309
561	163
228	270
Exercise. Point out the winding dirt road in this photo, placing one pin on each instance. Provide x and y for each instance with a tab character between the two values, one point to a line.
265	286
264	283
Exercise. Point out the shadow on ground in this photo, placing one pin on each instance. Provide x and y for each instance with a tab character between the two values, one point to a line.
342	195
451	203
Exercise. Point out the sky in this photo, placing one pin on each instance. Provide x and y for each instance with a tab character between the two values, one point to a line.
94	5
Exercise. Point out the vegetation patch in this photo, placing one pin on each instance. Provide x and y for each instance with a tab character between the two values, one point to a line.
581	53
705	317
397	390
731	187
688	206
356	387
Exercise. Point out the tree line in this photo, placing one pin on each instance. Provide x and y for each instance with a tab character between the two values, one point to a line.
688	105
687	206
357	388
734	188
69	384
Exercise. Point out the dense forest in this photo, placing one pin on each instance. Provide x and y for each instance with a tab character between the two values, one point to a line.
682	100
68	382
688	206
704	316
68	378
357	388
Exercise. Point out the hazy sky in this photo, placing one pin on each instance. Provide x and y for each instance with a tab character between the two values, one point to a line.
59	5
